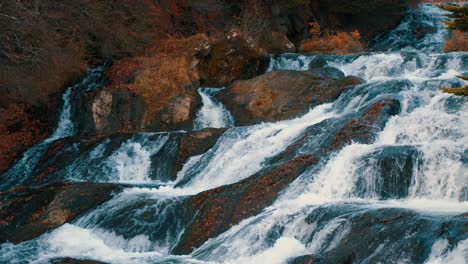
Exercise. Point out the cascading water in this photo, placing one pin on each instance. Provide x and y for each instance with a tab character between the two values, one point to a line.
213	113
401	199
22	169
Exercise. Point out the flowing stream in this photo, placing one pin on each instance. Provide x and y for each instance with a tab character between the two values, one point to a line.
213	113
345	202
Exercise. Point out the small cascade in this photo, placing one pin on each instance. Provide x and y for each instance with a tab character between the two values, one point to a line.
441	252
407	36
144	158
241	151
401	197
21	170
213	113
291	62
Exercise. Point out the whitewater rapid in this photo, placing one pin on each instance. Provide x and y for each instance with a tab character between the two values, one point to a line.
325	205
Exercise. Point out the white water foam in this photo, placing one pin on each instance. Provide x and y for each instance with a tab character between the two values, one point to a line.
441	253
240	152
213	113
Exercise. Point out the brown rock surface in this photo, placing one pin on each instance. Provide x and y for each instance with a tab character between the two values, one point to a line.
281	95
195	143
28	212
231	58
365	128
218	209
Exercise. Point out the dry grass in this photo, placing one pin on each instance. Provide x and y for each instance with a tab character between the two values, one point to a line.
332	43
456	91
166	71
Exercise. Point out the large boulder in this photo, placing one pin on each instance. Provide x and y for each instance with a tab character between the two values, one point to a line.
146	93
281	95
28	212
216	210
231	58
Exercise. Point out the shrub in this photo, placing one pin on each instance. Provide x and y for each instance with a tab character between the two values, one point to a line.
336	43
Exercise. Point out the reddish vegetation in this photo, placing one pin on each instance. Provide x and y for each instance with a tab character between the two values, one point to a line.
337	43
19	130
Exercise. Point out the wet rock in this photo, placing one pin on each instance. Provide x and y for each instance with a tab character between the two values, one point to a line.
281	95
88	155
306	259
366	229
231	58
216	210
75	261
101	108
364	129
317	62
195	143
109	110
394	168
327	72
276	43
332	135
28	212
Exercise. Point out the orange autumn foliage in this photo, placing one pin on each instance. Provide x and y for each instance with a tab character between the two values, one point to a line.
457	41
337	43
168	69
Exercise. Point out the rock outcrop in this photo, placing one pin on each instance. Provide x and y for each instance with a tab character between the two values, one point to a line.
281	95
28	212
218	209
231	58
364	129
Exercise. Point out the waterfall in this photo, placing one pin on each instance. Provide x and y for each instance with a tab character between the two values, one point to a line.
213	113
401	198
241	151
22	168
